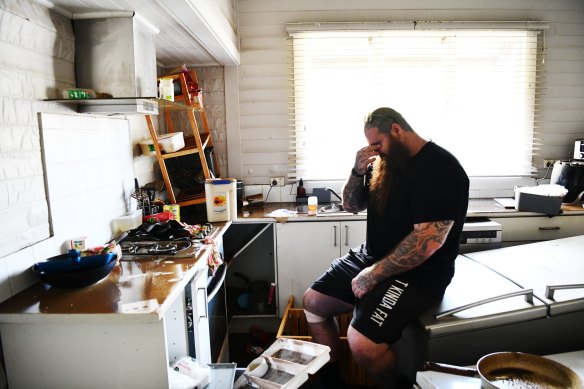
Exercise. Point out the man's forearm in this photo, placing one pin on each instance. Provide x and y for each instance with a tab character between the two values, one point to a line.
415	249
354	194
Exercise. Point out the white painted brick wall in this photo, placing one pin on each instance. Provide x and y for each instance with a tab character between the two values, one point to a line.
89	160
36	60
212	81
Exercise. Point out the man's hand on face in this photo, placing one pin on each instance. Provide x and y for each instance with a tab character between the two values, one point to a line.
365	156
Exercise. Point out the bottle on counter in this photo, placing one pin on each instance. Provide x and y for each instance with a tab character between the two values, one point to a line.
301	190
312	205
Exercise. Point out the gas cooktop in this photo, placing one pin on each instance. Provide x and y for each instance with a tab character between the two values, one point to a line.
165	239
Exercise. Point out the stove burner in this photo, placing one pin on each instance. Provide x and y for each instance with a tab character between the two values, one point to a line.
154	247
165	239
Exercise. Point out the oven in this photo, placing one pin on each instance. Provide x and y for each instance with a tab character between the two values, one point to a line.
480	234
206	317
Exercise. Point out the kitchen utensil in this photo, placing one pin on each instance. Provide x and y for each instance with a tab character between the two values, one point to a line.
571	176
72	261
258	367
516	370
78	278
140	194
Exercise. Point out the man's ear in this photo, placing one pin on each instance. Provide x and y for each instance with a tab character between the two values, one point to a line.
396	129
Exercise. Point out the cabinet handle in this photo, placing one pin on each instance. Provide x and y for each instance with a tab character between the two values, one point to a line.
550	289
335	239
346	235
204	291
528	293
556	228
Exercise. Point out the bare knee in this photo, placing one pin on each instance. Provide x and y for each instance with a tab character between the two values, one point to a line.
309	300
317	303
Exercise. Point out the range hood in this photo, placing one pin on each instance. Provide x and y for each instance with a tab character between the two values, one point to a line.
115	54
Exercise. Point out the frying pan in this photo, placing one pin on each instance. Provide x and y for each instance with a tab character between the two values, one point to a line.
506	370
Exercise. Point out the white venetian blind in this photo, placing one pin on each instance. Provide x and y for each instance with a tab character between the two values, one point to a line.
472	90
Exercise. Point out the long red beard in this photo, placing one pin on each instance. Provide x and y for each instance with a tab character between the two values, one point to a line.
387	171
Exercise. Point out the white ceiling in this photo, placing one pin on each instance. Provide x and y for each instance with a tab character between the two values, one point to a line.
185	36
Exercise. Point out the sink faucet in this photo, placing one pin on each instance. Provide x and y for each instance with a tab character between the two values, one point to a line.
334	193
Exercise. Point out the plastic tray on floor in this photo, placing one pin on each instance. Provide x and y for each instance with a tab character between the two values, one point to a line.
290	362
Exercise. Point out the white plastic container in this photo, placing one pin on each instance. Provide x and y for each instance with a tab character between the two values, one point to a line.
221	198
168	143
147	147
171	142
127	222
312	205
166	89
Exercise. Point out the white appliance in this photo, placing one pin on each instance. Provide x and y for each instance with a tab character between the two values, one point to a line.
497	302
480	234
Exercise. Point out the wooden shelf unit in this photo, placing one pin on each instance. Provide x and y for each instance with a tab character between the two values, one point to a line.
188	102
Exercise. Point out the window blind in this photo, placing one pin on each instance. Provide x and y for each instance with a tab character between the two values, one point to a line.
472	88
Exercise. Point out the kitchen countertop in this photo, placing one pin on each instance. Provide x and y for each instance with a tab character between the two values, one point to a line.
135	290
476	208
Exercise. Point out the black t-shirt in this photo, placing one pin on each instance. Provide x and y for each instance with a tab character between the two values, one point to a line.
434	187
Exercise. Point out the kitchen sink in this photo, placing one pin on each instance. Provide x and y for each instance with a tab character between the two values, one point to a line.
325	210
329	208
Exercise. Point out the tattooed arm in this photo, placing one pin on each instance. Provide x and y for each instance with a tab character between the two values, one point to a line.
419	245
354	193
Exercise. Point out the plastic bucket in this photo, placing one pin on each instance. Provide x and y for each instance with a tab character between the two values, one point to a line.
221	199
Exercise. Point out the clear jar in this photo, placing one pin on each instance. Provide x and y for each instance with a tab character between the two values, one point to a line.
166	89
312	205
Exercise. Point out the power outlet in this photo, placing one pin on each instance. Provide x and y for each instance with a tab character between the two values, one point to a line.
277	181
548	162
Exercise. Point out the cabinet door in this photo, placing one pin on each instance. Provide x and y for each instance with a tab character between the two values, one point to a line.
305	250
536	228
353	234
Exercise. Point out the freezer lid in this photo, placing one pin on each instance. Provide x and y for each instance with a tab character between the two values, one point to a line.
479	298
553	269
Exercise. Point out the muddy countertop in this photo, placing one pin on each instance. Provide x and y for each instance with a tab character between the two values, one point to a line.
137	289
476	208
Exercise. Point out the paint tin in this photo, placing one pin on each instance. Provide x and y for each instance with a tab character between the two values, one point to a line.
174	209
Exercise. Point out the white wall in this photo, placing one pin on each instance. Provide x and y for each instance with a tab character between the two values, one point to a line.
90	161
263	74
48	49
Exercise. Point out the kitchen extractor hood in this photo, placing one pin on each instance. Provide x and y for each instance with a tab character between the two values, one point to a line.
115	54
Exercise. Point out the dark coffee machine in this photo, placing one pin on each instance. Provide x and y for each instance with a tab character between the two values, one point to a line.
570	175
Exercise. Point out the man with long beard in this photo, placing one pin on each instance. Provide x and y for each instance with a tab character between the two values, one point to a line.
416	196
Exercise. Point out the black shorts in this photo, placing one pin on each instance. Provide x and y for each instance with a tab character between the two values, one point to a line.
386	310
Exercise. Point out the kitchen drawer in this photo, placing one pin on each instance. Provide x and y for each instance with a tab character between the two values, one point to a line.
536	228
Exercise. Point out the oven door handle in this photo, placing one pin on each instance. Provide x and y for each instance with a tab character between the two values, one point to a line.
221	272
528	293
